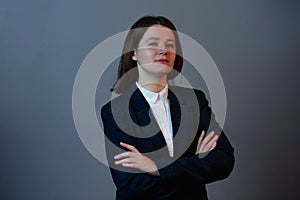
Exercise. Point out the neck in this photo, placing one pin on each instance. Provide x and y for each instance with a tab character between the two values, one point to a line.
153	87
153	84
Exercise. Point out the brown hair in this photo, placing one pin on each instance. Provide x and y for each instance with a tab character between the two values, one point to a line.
131	42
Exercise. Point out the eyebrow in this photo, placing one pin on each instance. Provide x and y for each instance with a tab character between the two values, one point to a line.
156	38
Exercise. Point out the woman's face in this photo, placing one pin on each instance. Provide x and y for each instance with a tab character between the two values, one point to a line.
156	51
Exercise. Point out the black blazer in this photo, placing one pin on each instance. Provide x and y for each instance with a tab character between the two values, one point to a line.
127	119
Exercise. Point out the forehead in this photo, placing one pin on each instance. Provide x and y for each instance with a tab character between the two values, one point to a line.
158	31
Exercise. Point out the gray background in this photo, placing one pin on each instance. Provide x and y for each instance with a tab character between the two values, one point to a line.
255	44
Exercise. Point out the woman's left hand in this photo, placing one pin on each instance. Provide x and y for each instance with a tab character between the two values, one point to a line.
134	159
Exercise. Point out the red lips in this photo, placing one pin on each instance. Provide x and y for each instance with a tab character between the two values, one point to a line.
163	61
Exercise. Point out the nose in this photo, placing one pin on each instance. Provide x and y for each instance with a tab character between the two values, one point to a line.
162	50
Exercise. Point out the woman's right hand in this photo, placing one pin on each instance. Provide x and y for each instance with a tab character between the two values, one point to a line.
208	143
134	159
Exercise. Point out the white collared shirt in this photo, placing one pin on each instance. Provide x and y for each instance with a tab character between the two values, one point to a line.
160	106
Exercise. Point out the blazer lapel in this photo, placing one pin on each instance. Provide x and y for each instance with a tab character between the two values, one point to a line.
150	134
182	114
175	111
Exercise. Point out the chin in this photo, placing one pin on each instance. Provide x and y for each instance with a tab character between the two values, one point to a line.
163	67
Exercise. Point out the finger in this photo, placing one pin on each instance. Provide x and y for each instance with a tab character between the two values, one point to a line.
201	137
206	140
199	141
130	147
126	160
131	165
211	142
123	155
213	146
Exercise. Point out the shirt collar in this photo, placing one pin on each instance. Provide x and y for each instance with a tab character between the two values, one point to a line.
154	97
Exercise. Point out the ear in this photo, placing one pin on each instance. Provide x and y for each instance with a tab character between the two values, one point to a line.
134	55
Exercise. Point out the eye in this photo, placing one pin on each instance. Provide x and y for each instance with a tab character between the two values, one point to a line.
154	44
170	45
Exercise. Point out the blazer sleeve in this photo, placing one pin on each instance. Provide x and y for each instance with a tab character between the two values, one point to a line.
130	184
209	167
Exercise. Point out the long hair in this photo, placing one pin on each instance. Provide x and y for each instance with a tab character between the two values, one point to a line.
131	42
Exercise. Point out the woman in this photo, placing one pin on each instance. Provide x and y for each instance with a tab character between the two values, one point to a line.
156	141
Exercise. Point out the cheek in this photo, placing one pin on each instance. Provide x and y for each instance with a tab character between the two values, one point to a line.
146	56
173	57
